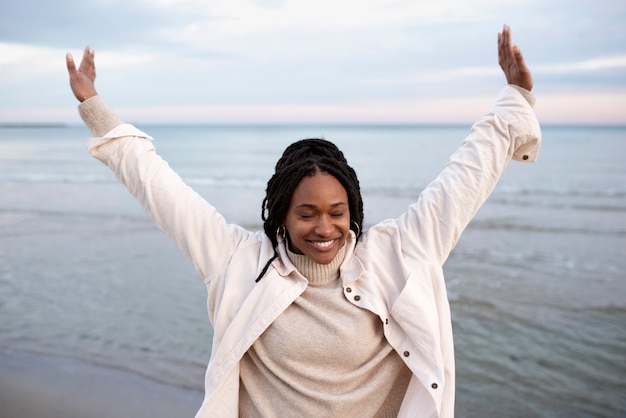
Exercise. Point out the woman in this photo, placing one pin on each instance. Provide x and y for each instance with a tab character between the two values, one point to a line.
316	317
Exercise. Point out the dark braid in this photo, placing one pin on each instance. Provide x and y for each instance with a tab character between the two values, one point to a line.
305	158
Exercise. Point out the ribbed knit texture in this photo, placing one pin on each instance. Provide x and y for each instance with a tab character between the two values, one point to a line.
98	117
530	98
323	357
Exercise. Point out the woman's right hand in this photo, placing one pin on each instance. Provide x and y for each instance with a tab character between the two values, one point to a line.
82	79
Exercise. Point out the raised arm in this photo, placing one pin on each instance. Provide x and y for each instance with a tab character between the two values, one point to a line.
191	222
82	79
432	226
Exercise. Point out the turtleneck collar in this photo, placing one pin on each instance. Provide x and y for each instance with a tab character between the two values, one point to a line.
317	274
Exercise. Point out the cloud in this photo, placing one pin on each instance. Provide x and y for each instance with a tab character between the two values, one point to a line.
297	57
21	61
597	66
244	17
582	108
585	66
446	75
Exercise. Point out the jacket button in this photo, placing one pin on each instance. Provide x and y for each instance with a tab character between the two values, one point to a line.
406	354
434	386
525	157
348	289
357	298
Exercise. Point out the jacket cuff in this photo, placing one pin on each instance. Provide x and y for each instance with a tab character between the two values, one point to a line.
103	147
98	117
516	116
530	98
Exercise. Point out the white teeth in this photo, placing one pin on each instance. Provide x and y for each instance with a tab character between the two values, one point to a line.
325	244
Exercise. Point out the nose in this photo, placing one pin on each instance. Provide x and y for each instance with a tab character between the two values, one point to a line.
324	227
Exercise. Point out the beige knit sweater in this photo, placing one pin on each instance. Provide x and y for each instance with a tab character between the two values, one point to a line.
323	357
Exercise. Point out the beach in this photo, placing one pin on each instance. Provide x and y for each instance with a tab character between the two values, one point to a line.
63	387
102	316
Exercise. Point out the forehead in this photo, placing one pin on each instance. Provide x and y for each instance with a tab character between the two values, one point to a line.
319	190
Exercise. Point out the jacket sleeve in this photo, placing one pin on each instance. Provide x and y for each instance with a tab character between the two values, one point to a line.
188	219
431	227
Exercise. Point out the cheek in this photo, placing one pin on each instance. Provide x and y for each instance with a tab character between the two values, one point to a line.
295	228
346	228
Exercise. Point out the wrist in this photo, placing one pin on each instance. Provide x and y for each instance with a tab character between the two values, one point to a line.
97	115
86	96
530	98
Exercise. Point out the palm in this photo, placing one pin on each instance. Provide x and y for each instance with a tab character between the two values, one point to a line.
82	79
512	61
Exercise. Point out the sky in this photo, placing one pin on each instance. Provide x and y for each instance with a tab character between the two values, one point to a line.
322	61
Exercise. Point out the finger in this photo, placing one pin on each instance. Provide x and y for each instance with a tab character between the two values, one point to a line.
506	34
71	66
500	49
506	39
504	56
507	49
87	63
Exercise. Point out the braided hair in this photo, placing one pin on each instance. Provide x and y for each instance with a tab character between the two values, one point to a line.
306	158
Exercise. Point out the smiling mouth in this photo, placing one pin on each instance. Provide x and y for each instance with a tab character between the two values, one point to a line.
323	244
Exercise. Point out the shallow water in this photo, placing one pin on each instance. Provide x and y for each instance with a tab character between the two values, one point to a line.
536	283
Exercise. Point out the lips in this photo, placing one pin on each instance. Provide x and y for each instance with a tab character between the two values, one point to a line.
323	245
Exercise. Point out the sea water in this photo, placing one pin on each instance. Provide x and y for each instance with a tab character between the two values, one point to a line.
537	282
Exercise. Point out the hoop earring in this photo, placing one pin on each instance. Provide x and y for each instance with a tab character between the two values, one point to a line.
358	228
281	232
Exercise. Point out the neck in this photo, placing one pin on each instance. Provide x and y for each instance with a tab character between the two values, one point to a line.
317	274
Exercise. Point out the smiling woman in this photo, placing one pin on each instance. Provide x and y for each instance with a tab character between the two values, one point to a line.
315	316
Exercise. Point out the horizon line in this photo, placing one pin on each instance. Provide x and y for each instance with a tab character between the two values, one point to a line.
251	124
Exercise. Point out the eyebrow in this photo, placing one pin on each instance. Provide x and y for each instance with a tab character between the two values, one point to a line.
312	206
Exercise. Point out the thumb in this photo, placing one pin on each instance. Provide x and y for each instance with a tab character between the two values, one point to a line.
69	61
519	58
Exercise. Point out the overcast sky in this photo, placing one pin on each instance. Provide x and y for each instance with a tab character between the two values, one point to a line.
373	61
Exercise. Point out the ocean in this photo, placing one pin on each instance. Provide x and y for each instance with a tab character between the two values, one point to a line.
537	282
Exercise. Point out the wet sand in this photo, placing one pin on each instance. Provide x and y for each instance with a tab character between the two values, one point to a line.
58	387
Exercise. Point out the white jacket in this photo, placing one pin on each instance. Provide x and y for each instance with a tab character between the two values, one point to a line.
395	270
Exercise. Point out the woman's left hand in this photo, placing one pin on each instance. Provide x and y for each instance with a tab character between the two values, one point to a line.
512	62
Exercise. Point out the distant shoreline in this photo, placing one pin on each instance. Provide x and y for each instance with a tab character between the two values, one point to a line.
32	125
273	125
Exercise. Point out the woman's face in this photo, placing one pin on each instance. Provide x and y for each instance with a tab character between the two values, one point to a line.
318	219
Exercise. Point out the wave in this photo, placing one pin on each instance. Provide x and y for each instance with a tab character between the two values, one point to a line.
49	178
563	192
244	183
8	216
598	200
607	199
511	225
252	180
413	191
57	178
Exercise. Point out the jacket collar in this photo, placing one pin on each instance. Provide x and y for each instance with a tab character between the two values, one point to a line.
351	268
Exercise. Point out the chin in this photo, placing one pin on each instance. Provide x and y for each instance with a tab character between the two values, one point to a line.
326	257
